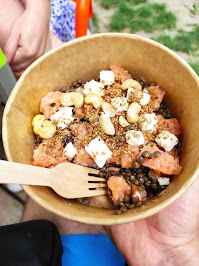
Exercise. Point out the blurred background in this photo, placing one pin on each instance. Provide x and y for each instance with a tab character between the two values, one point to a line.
174	23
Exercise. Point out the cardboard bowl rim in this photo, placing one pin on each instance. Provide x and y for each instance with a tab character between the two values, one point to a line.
99	35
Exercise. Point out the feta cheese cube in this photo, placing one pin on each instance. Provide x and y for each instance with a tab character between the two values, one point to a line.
166	140
107	77
138	195
164	181
130	94
99	151
134	137
94	87
70	151
63	117
145	98
120	104
147	122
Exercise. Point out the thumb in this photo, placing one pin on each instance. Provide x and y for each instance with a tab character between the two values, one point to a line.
11	45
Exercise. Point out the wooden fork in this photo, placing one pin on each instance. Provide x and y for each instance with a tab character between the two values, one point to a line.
66	179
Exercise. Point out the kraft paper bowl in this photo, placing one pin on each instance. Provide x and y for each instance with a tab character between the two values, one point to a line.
83	59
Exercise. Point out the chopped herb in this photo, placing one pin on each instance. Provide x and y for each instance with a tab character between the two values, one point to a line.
151	145
52	104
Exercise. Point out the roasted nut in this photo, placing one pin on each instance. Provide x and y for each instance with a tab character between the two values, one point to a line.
123	122
37	122
94	99
132	112
72	98
131	83
44	128
106	124
47	129
108	109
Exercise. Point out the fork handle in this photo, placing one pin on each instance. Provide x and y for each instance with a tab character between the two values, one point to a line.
23	174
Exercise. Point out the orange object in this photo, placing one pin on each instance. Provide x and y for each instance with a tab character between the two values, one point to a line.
83	13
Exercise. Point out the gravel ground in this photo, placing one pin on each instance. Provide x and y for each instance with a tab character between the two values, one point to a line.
184	16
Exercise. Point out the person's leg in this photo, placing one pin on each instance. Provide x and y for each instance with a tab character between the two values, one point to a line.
33	211
82	244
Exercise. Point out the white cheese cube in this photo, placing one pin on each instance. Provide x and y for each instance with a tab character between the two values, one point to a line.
142	96
147	122
94	87
70	151
99	151
107	77
145	98
120	104
131	92
138	195
134	137
166	140
164	181
63	117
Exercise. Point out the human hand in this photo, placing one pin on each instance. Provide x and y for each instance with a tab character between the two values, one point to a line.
170	237
29	36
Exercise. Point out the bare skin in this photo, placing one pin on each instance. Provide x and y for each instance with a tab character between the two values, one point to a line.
24	31
9	13
170	237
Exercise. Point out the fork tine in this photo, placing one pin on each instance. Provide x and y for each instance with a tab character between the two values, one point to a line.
92	178
95	185
93	171
92	193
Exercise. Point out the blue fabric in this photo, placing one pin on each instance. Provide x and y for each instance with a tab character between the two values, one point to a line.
90	250
62	21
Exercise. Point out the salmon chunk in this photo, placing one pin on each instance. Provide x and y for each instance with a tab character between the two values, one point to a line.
50	103
157	96
49	153
83	158
120	73
172	125
118	186
166	163
80	131
129	155
124	156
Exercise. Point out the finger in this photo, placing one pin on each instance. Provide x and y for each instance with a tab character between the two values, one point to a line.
11	46
23	54
18	74
22	66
